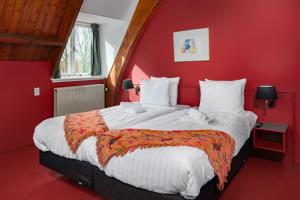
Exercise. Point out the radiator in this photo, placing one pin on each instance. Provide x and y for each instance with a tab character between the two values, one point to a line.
68	100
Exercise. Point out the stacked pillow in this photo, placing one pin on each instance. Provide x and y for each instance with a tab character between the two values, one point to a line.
216	96
173	88
160	91
222	96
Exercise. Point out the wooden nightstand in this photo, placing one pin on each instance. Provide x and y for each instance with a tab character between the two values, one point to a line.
269	140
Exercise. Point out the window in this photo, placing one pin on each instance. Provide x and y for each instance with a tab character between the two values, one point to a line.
76	59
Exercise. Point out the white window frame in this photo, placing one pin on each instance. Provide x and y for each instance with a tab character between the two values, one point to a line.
71	67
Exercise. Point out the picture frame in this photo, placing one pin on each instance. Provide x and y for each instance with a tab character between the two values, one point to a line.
191	45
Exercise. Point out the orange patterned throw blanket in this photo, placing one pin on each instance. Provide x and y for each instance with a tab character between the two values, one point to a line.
80	126
216	144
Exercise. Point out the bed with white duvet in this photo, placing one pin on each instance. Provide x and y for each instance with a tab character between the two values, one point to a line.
49	135
174	170
171	170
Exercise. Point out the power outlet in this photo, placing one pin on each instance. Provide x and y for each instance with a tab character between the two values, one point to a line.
36	92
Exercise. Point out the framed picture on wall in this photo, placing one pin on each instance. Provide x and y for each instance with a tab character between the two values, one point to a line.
191	45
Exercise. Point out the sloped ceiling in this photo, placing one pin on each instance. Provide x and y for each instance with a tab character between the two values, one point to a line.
117	9
36	29
141	17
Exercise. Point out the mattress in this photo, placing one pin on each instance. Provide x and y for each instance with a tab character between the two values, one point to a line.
173	170
49	135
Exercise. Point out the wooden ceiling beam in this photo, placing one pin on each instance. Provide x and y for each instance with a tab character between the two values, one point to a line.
28	40
14	39
36	29
47	41
140	18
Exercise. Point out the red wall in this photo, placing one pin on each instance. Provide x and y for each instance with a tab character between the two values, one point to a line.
256	39
21	111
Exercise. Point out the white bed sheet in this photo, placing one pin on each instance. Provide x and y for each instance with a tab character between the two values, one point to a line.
49	135
182	169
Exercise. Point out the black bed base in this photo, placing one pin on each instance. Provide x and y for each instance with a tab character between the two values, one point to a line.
79	171
92	177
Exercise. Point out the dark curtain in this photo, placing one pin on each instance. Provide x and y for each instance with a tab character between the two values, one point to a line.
56	72
95	54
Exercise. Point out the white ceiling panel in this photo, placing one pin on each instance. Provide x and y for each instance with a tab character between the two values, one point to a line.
117	9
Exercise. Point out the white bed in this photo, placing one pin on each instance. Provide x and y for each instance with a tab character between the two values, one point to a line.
170	170
49	135
174	170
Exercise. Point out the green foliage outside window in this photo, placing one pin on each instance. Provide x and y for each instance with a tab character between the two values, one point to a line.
76	59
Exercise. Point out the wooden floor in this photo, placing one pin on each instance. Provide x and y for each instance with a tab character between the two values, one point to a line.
23	178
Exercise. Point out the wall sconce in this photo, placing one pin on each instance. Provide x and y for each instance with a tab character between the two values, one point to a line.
127	84
267	93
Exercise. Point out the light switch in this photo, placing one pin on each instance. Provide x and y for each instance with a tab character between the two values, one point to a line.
36	92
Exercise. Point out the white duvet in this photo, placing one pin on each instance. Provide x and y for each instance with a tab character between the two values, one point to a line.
173	170
169	170
49	135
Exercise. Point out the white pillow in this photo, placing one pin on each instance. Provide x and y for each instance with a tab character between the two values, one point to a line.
219	97
155	92
173	92
242	83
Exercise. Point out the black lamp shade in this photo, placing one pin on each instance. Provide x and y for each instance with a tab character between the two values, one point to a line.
266	92
127	84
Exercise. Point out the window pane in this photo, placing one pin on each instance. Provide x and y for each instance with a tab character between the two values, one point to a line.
83	40
65	60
